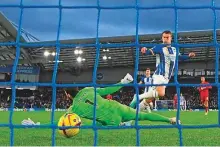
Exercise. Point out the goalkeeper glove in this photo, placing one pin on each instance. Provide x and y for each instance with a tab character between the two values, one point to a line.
127	79
28	122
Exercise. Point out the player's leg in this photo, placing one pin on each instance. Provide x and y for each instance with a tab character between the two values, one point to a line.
128	114
133	102
154	92
202	101
157	91
206	105
150	102
142	106
174	105
146	104
181	106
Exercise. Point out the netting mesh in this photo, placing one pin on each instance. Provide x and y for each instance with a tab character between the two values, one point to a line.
137	45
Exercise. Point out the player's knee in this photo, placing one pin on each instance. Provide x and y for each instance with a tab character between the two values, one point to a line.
149	100
161	93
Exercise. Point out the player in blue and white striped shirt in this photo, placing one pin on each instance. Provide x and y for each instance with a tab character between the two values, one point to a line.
145	104
147	79
165	63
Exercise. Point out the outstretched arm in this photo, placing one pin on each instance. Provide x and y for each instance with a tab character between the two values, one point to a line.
152	51
110	90
205	87
208	87
186	57
183	57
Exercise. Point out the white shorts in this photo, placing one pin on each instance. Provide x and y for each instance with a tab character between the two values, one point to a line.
159	79
182	103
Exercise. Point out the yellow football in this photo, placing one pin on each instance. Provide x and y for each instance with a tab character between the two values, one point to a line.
69	119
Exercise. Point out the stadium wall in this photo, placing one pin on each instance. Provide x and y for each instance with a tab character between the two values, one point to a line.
111	75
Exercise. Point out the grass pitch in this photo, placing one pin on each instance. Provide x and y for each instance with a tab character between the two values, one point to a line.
125	137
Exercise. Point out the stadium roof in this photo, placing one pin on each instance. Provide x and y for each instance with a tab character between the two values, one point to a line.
120	56
8	33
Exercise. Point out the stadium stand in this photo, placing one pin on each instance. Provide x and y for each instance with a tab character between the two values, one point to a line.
33	57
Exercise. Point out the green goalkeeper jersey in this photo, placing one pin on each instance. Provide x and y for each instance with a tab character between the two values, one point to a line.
106	110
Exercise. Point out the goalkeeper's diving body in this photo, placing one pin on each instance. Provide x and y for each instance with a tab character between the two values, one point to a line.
108	112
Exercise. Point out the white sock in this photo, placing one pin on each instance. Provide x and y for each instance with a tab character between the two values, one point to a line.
152	93
144	105
148	109
151	105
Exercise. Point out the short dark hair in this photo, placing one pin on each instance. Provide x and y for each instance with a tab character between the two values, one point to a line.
167	32
148	69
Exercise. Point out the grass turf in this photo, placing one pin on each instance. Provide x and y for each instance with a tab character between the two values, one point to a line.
125	137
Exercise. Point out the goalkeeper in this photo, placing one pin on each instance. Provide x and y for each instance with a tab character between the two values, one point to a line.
108	112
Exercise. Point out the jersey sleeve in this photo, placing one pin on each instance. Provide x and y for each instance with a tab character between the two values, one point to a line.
183	57
142	79
155	50
108	90
208	87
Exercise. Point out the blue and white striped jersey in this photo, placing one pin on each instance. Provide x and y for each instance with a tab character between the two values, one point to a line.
182	99
146	80
165	60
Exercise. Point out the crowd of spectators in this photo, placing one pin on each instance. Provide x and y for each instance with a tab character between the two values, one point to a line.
42	98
